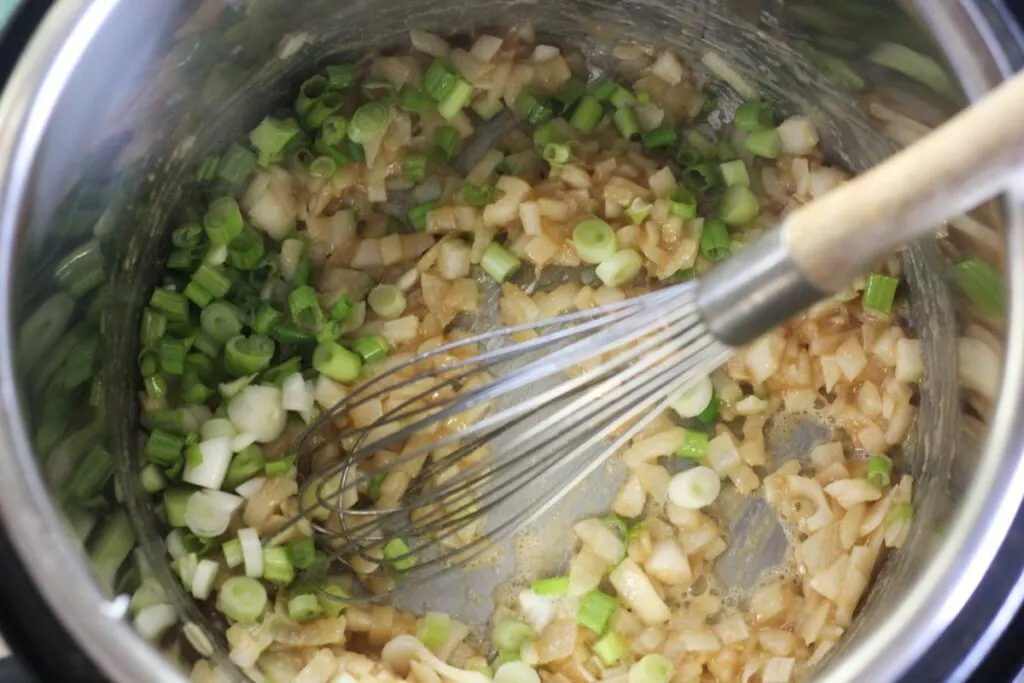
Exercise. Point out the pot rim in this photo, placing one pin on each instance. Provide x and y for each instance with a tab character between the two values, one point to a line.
62	574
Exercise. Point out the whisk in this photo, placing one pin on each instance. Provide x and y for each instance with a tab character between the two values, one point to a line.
499	427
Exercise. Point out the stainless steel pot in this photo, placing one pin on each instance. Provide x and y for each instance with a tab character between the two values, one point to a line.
114	100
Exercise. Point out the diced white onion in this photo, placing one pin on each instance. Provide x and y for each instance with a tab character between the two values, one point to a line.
429	43
516	672
695	488
152	622
208	513
538	610
668	68
252	552
271	204
978	367
668	563
909	365
175	544
486	47
600	538
635	589
327	393
291	254
251	487
799	136
258	410
202	580
694	400
296	395
211	469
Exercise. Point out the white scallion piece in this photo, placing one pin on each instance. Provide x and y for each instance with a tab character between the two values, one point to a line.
211	465
240	442
694	400
153	621
252	552
217	427
176	544
208	513
695	488
251	487
258	410
296	395
202	580
538	610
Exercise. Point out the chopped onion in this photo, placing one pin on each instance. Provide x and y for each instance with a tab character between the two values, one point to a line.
694	400
799	136
695	488
270	203
258	410
516	672
429	43
251	487
209	472
291	254
252	552
486	47
296	394
538	610
635	589
208	513
668	68
153	621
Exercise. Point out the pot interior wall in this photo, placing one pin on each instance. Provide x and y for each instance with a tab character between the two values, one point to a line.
119	160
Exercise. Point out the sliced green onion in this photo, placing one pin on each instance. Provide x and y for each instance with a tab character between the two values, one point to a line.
181	259
596	610
266	320
271	136
342	76
172	355
174	305
242	599
163	447
594	240
236	165
310	93
455	101
212	279
91	475
754	116
439	80
434	630
374	487
337	362
221	321
333	599
208	168
156	386
570	93
533	107
556	154
187	236
880	292
152	479
179	421
277	567
982	284
694	445
248	355
499	263
622	98
414	167
682	203
699	177
486	108
603	89
638	210
193	391
477	195
232	550
323	108
553	586
176	504
371	347
697	141
617	524
725	150
509	634
764	143
714	241
620	267
588	114
114	542
223	220
280	467
245	464
418	215
710	414
627	122
397	554
387	301
154	324
899	513
686	156
445	141
368	122
334	130
652	668
662	136
734	173
303	607
304	307
709	104
355	150
343	308
547	133
323	168
198	294
415	101
302	553
739	205
247	249
879	471
611	648
290	334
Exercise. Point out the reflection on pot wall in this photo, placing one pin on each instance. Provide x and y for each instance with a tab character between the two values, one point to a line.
864	71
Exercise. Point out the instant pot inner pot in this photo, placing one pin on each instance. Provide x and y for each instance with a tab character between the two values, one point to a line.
121	171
